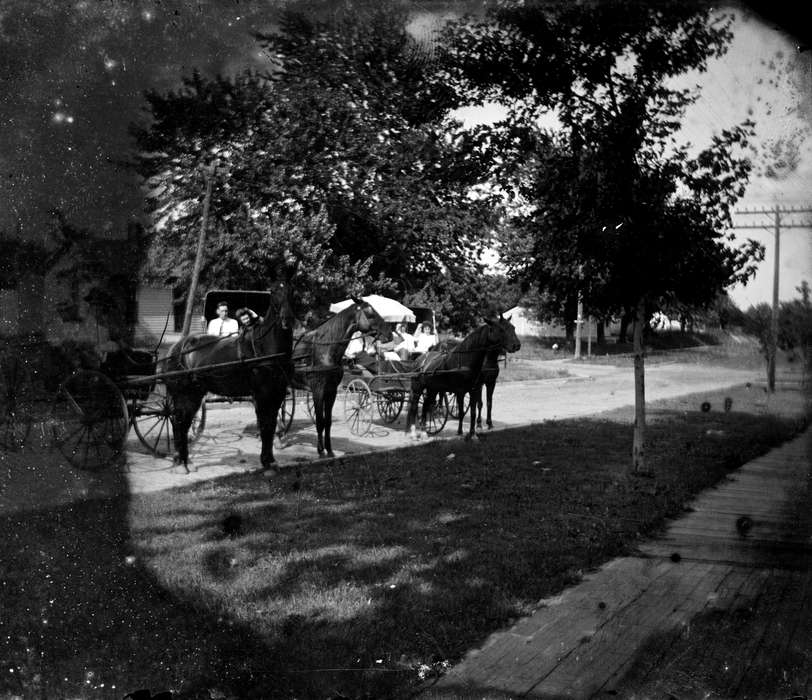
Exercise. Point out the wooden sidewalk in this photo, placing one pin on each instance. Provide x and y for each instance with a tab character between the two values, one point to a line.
738	562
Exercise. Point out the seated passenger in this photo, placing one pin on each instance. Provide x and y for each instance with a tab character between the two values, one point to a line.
403	344
222	325
425	339
247	320
356	345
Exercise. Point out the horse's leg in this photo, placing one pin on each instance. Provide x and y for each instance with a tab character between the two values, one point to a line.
318	408
429	400
472	430
184	406
330	391
478	392
268	388
460	403
267	407
411	414
489	387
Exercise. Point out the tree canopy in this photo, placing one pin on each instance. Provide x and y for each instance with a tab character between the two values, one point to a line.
341	159
609	205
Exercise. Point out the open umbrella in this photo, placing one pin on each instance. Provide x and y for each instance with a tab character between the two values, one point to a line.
389	309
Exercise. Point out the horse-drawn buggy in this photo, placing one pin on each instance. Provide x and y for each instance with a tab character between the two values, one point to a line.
164	398
433	384
89	416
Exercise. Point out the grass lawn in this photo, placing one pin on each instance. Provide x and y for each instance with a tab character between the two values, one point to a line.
359	577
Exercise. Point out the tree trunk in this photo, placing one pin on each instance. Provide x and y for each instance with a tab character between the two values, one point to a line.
639	444
570	310
624	327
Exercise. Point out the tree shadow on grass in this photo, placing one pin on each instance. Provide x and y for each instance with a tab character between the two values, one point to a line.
356	578
82	617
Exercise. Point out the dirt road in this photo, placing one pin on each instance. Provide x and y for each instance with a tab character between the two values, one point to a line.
34	479
230	445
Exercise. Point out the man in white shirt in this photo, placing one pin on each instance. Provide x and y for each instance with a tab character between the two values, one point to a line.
222	325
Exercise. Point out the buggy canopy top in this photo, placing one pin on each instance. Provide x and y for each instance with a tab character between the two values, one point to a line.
389	309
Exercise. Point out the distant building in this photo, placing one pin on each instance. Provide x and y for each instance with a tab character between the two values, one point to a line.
525	321
84	289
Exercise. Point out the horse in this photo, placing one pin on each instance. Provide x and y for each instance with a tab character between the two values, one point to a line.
459	370
317	361
192	371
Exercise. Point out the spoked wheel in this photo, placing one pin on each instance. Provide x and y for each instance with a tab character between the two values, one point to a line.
152	422
16	403
453	410
90	421
358	407
437	417
390	404
286	411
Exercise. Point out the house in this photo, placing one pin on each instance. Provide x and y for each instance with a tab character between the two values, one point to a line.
81	288
525	321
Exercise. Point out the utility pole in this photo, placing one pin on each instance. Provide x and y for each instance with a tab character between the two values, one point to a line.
776	211
579	322
201	241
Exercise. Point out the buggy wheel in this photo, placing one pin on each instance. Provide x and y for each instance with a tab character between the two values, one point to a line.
436	419
390	404
286	411
16	403
358	407
453	410
152	422
90	421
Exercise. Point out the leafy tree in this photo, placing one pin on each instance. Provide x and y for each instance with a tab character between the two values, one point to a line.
461	301
339	160
223	129
613	208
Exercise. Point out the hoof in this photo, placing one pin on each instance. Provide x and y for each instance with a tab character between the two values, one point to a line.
180	469
330	454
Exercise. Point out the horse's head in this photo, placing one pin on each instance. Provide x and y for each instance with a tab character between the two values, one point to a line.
274	333
511	342
368	320
503	334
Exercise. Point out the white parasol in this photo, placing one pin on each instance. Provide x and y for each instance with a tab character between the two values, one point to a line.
389	309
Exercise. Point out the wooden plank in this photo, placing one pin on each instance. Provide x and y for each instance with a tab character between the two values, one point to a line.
764	611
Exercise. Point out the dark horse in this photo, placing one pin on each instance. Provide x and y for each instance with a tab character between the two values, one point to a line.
192	371
459	371
317	360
